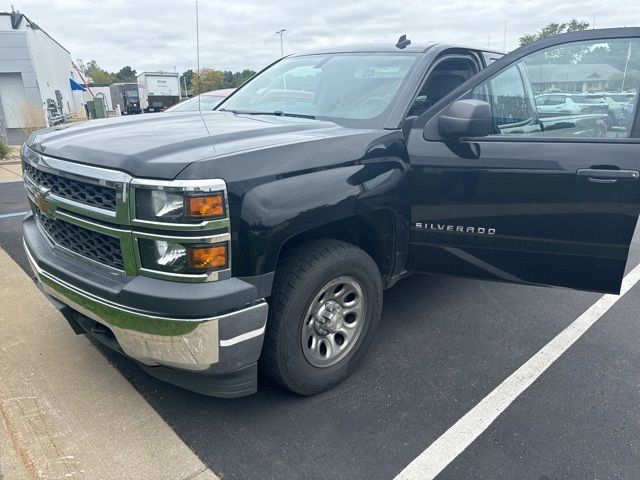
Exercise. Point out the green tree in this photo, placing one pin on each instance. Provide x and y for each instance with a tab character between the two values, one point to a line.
240	77
81	66
228	79
574	53
186	78
207	79
615	53
631	81
99	75
552	29
126	74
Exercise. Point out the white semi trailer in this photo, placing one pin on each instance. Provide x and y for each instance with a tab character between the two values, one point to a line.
158	90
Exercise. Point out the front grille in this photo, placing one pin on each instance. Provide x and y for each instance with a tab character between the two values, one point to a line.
87	193
96	246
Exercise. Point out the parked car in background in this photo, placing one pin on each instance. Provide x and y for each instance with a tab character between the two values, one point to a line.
627	113
610	106
591	103
596	103
556	104
620	98
617	103
204	101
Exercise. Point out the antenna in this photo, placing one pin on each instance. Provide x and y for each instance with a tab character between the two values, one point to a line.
403	42
198	55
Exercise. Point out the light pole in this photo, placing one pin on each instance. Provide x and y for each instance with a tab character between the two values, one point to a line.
281	33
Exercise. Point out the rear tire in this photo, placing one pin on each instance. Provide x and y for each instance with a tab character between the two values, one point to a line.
324	310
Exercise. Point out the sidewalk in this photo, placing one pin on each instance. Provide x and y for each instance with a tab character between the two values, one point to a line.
65	412
10	171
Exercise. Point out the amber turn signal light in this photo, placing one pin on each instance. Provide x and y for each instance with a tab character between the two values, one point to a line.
213	257
205	206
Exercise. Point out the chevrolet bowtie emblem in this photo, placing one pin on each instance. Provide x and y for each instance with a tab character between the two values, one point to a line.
40	198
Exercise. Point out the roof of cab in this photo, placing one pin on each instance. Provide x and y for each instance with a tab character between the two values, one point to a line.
413	48
389	48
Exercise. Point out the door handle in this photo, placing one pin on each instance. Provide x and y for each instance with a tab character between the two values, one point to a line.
599	175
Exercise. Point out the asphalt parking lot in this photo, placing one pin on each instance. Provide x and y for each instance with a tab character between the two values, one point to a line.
443	346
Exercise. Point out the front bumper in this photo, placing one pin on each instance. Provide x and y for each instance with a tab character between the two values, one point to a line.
180	340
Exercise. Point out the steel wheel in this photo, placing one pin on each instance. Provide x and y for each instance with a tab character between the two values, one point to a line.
333	322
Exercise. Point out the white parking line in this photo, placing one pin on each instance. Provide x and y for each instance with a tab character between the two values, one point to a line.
455	440
13	214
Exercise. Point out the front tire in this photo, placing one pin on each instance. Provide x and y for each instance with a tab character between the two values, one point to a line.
324	310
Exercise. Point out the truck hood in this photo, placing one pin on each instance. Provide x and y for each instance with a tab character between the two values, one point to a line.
161	145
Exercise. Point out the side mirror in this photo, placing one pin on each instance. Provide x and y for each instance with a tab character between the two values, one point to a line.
465	118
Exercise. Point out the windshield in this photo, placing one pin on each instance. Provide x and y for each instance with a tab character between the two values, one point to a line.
207	102
349	87
131	93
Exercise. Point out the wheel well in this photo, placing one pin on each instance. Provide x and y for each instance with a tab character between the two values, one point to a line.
373	232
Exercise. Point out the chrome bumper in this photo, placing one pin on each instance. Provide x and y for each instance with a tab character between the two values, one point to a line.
188	344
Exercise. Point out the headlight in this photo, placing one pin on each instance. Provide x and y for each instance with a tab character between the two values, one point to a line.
166	256
179	206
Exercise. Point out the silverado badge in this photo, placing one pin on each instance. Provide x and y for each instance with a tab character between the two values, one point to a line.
443	227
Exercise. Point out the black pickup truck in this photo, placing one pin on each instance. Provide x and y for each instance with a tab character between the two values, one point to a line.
204	245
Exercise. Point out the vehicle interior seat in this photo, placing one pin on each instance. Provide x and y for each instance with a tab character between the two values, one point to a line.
436	88
445	77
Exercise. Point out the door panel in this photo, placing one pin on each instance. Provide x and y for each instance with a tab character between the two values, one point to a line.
524	219
538	201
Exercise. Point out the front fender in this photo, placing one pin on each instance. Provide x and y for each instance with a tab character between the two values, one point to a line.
274	212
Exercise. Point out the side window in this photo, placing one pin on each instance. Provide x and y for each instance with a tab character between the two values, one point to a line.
509	98
555	100
542	100
579	89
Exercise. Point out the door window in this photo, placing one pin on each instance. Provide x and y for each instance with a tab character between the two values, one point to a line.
583	72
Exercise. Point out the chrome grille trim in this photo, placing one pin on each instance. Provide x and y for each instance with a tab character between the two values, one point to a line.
86	193
86	174
121	223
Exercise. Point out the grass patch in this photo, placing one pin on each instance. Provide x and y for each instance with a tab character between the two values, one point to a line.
31	117
4	151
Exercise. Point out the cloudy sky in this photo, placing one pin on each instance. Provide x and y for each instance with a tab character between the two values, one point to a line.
238	34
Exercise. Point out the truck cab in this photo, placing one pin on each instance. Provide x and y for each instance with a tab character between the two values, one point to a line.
126	95
204	245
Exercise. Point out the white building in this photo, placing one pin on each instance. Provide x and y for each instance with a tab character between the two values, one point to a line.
36	78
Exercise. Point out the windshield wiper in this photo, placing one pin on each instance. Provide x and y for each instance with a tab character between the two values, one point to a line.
277	113
295	115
